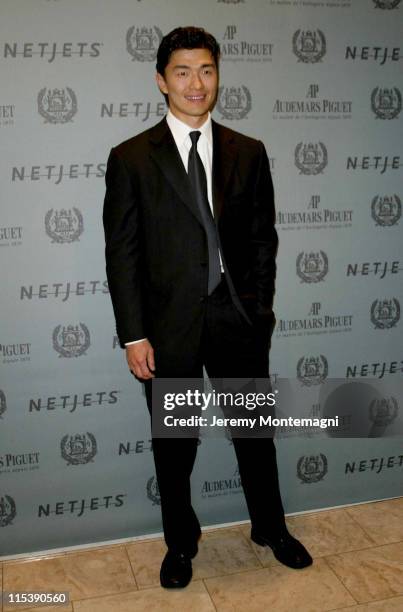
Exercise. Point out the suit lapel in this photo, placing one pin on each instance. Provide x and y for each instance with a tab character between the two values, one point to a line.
166	155
224	157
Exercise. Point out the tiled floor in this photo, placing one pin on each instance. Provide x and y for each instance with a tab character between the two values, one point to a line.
358	566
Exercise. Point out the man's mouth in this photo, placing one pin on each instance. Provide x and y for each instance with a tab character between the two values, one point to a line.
197	98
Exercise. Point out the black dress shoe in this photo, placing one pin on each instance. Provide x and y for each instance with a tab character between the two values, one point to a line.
176	570
286	549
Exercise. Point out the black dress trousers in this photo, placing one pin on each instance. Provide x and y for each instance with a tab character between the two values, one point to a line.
230	347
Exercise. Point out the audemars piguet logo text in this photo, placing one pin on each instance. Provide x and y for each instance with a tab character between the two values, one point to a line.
313	106
234	48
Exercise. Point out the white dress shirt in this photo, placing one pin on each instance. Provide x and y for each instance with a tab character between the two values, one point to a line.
180	132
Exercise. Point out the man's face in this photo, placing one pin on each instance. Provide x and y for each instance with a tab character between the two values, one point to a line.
191	82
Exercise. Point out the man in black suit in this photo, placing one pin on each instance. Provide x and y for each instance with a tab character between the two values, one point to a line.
190	253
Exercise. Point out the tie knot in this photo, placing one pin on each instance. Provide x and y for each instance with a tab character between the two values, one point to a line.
194	137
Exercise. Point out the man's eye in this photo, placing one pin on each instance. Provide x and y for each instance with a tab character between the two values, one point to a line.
182	73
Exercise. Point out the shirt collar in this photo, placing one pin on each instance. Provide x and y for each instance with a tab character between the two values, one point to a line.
181	130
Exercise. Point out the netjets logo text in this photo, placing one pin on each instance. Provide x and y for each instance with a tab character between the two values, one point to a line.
50	51
57	173
377	53
63	290
139	110
309	46
380	163
142	43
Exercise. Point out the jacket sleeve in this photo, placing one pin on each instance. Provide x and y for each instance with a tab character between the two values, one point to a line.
264	236
123	250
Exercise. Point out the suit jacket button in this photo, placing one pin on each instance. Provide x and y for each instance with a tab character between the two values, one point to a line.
202	298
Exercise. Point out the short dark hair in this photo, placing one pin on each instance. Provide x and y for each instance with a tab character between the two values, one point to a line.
188	37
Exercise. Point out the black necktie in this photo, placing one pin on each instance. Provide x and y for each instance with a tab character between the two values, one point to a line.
197	176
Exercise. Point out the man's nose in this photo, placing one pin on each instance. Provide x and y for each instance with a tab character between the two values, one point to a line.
196	82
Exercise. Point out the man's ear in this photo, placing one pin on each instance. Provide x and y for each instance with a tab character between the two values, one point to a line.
161	83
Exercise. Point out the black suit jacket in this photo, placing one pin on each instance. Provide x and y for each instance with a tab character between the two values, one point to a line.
156	247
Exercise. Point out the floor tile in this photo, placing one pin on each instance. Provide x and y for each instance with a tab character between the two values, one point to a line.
383	521
278	588
146	558
193	598
83	574
263	553
375	573
385	605
64	608
222	551
322	533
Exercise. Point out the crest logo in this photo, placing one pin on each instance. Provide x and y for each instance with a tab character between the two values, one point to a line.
78	448
7	510
142	43
312	267
309	46
57	105
153	492
386	4
383	411
385	313
312	468
3	403
386	211
386	102
71	340
312	370
65	225
310	158
234	102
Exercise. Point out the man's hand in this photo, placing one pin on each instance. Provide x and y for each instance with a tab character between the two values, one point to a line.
140	358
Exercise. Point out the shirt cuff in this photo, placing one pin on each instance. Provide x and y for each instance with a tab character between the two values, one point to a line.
135	341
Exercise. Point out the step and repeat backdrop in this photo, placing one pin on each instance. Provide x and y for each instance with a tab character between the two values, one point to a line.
320	83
